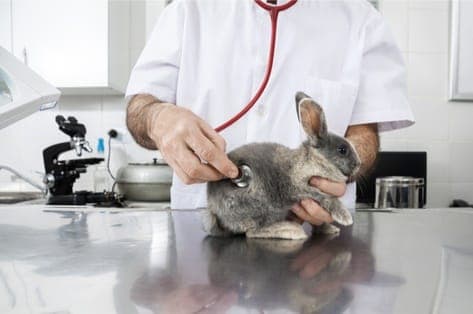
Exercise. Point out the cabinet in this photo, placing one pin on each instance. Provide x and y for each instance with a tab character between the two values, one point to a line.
80	46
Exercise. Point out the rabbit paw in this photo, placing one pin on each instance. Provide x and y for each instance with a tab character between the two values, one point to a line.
326	228
281	230
342	216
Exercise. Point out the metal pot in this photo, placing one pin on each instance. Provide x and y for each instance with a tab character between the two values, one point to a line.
148	182
399	192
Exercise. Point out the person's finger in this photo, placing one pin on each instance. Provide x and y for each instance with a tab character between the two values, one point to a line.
168	150
337	189
193	167
213	136
316	212
180	173
175	165
212	154
302	213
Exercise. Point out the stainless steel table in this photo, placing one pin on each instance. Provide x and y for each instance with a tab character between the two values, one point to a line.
85	260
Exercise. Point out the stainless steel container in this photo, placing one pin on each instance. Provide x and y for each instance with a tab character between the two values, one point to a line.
399	192
149	182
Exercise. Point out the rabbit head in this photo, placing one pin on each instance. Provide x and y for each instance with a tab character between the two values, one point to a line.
335	149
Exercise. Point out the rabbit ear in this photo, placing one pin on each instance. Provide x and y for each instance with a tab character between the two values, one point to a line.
311	116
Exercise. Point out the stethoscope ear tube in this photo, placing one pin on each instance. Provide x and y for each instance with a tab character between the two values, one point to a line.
274	12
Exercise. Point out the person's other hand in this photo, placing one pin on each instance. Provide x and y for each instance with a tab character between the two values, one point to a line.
309	210
190	146
327	260
311	261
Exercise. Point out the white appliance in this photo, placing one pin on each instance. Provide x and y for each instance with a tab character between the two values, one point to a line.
22	91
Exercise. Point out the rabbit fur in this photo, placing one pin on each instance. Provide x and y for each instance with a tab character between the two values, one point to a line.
280	178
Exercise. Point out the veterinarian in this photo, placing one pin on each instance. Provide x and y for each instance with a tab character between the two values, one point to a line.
206	59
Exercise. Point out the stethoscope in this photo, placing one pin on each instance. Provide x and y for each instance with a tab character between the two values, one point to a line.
274	11
245	173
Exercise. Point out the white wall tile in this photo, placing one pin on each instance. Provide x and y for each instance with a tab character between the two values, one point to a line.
461	162
389	144
428	76
428	30
429	4
396	15
438	159
438	195
114	113
461	124
432	122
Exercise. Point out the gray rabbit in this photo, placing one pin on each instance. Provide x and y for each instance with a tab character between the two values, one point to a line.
277	177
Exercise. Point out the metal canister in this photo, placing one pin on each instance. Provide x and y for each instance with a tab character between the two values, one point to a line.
399	192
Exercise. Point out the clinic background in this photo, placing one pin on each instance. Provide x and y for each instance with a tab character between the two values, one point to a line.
421	28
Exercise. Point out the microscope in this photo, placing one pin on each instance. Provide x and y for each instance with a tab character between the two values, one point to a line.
61	174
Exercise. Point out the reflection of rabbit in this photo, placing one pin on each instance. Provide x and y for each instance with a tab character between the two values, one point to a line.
262	272
280	178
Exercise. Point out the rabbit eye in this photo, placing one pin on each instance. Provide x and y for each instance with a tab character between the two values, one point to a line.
342	150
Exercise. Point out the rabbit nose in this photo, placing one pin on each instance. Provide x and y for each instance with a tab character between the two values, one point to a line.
244	176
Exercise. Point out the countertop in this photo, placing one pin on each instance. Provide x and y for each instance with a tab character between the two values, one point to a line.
88	260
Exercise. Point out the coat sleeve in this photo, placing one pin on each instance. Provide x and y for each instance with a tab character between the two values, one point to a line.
156	71
382	94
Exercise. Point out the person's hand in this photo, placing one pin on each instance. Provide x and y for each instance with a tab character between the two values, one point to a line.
189	145
309	210
330	261
312	260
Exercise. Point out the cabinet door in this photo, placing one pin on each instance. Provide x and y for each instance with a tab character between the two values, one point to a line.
5	24
65	41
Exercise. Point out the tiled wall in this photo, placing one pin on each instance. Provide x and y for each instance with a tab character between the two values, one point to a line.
443	129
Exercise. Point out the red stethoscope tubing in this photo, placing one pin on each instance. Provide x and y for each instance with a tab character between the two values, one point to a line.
274	11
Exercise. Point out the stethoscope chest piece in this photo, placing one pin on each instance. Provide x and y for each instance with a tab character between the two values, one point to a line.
244	176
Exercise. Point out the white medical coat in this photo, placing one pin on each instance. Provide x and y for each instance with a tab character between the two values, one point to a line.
210	56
